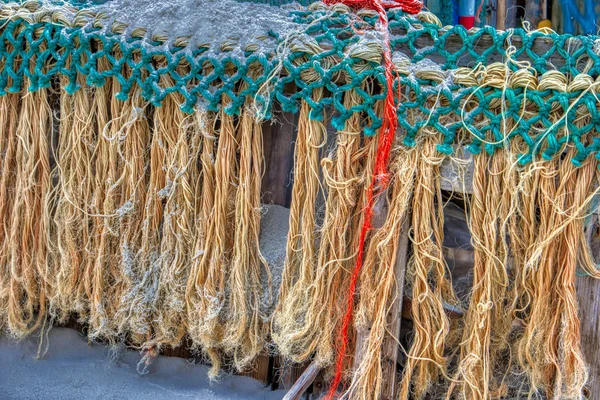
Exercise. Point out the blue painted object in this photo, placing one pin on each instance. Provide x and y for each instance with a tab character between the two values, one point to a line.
454	12
586	20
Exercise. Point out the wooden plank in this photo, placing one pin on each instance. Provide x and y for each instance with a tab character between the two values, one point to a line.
543	9
511	19
588	296
556	18
303	383
259	369
279	138
181	351
287	374
500	14
390	344
380	210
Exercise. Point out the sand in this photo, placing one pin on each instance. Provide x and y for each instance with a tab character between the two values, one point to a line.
274	226
72	369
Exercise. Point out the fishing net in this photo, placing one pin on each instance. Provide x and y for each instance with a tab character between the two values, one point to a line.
130	188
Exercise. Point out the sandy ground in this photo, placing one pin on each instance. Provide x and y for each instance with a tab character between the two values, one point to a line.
72	369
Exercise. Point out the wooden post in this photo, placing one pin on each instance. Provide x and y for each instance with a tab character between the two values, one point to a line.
390	344
278	141
543	9
380	211
500	14
588	293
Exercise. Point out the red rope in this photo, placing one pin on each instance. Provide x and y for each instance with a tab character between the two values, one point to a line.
379	180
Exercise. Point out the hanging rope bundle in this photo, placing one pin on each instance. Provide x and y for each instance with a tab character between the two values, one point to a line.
380	178
26	241
293	331
132	180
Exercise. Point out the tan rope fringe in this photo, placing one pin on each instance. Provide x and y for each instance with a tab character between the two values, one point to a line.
9	105
105	273
431	287
74	166
218	243
369	155
343	180
550	349
290	328
29	220
301	324
25	244
490	278
539	285
109	169
488	321
572	373
378	279
194	290
367	307
346	174
181	139
245	327
132	137
518	226
519	233
147	261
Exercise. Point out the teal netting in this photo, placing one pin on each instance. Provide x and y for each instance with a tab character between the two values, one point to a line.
39	46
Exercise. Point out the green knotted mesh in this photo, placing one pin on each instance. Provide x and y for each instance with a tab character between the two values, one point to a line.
327	55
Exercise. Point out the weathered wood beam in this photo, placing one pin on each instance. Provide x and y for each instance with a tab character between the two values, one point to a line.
588	296
279	137
380	210
303	383
500	14
391	346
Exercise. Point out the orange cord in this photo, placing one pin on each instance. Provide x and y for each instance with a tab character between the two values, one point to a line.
380	175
